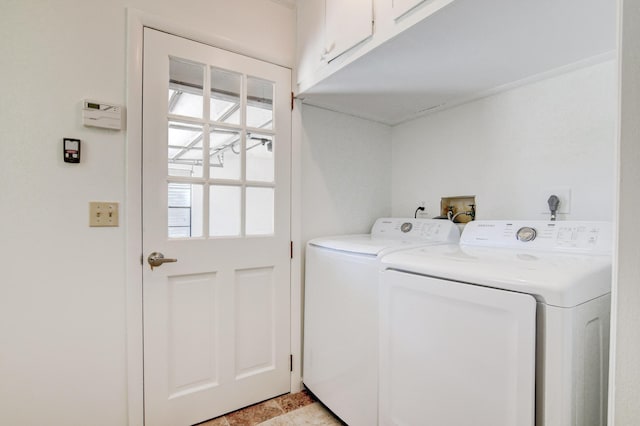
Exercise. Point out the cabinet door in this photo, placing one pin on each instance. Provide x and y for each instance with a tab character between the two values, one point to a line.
347	23
401	7
311	37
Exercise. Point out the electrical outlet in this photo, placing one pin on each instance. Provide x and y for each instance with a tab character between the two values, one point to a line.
103	213
421	211
563	193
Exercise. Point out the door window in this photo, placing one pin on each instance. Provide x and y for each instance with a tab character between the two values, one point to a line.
221	152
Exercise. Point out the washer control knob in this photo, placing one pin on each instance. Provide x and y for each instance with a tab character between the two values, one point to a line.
406	227
526	234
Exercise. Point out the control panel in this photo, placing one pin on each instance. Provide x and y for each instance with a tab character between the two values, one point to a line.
415	229
572	236
102	114
71	150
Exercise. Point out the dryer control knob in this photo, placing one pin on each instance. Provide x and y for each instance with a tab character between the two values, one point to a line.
525	234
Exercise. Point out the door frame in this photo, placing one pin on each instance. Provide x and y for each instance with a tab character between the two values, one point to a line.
136	21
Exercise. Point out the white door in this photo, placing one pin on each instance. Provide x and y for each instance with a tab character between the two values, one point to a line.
460	354
216	197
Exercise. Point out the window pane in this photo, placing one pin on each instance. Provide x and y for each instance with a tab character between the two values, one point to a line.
224	210
184	203
185	88
259	103
260	165
259	219
185	149
225	96
225	159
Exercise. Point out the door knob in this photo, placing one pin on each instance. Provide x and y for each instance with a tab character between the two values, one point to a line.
157	259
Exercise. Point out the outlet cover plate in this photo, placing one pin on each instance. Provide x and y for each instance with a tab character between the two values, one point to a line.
103	213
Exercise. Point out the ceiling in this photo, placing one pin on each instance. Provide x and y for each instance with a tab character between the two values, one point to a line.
468	50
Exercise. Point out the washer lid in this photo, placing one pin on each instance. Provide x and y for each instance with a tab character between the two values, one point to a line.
393	233
556	278
361	244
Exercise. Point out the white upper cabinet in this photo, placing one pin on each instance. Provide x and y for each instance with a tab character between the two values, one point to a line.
333	33
347	23
311	38
327	29
427	55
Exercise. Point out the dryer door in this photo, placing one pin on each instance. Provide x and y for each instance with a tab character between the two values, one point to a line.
455	354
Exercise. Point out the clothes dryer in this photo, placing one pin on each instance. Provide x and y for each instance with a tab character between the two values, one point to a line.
510	327
340	364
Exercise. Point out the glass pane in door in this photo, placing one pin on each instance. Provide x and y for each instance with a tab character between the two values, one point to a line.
184	203
259	103
260	166
260	207
225	96
185	88
225	206
225	159
184	149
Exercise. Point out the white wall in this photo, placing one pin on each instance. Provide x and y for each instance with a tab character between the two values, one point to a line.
62	293
346	173
626	301
507	148
343	186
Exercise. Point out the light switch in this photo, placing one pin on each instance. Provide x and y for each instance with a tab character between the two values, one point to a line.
103	213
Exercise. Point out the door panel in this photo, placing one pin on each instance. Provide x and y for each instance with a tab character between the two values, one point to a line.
216	188
190	332
254	308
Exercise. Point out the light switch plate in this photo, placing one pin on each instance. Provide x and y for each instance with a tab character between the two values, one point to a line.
103	213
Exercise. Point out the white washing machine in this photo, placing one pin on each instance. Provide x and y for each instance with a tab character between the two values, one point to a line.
508	328
340	363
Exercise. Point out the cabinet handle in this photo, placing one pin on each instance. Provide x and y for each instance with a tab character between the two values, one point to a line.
326	51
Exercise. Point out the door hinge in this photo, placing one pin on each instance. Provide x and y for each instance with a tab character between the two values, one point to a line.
292	98
290	362
291	250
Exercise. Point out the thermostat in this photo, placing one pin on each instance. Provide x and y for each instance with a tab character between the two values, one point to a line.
102	114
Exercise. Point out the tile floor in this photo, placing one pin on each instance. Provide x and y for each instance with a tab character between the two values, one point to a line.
287	410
